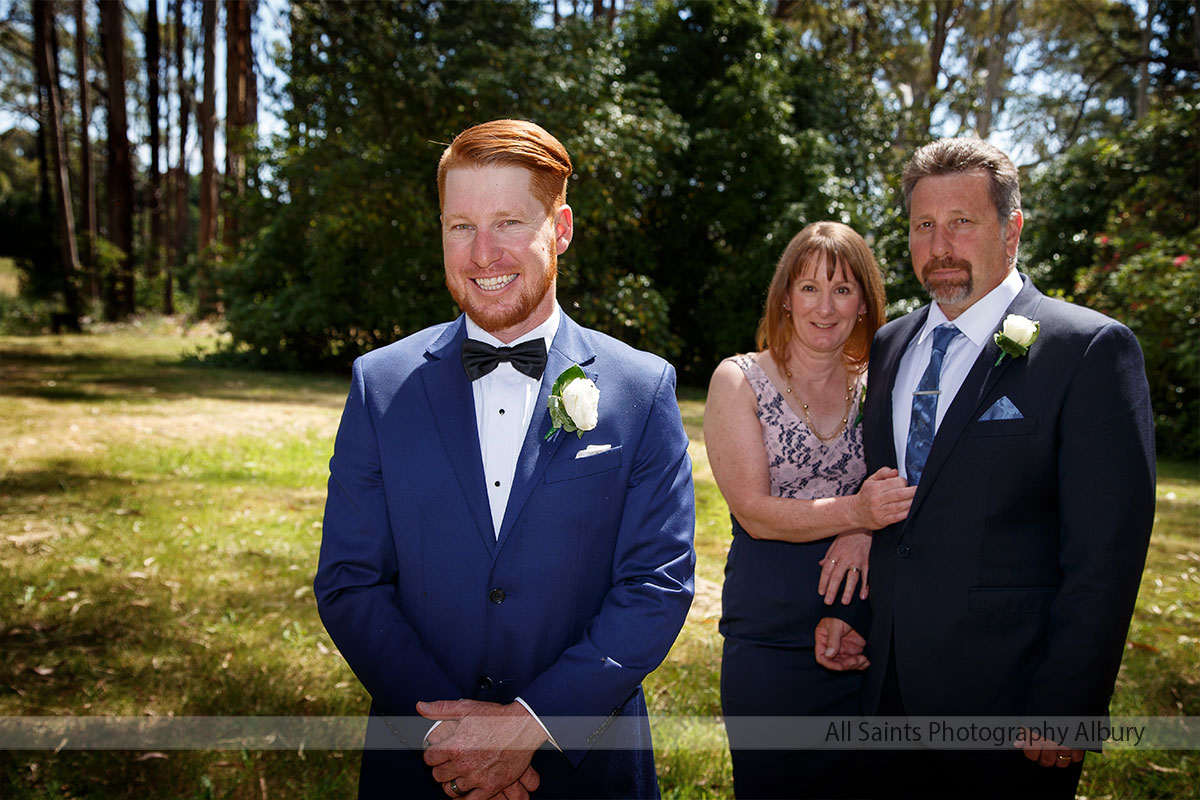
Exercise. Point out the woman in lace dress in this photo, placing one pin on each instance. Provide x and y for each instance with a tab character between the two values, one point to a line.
785	445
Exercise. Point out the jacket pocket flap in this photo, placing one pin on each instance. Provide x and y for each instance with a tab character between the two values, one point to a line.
569	469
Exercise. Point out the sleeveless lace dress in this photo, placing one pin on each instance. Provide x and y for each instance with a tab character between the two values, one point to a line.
771	607
770	594
771	588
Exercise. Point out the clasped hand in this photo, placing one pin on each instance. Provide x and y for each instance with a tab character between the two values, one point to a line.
484	748
1046	752
884	499
838	646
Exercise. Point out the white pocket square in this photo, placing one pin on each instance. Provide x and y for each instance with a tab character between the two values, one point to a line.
593	449
1002	409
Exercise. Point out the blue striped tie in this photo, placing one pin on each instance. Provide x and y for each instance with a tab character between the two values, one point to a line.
924	406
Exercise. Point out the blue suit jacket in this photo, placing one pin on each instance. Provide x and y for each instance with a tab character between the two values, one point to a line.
578	599
1009	588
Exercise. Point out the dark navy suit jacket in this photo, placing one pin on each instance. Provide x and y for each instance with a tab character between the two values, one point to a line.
1009	588
578	599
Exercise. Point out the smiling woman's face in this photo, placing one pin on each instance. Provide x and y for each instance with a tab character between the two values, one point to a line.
824	308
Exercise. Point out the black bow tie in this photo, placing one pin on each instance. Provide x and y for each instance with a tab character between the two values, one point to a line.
480	358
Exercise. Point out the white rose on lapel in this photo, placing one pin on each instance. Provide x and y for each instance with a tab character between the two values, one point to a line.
1016	336
581	398
574	403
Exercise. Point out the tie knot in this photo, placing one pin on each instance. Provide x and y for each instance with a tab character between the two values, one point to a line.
942	336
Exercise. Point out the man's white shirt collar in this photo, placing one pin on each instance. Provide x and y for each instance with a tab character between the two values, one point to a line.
981	320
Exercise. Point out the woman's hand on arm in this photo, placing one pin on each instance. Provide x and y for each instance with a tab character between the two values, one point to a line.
884	499
847	559
738	458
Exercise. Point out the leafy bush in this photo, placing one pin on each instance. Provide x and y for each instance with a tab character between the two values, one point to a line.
1153	286
1115	228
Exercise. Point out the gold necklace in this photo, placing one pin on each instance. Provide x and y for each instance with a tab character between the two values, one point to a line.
808	418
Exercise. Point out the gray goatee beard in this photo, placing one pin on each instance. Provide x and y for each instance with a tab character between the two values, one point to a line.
949	291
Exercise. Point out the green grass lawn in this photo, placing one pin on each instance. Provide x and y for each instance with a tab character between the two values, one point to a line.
159	528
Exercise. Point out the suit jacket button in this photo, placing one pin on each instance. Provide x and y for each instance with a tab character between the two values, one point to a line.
496	596
485	682
904	551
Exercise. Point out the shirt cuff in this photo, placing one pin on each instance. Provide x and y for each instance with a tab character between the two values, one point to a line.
532	713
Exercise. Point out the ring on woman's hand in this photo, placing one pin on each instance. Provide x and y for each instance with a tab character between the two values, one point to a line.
852	569
1064	758
454	788
833	561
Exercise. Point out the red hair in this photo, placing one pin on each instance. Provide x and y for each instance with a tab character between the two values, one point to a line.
512	142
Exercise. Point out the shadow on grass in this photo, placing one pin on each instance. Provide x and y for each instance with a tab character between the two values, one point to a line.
108	378
60	476
139	647
136	643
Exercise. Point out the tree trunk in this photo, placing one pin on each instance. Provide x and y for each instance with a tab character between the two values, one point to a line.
86	177
167	194
181	171
250	117
43	249
1143	82
119	296
1004	15
238	77
945	12
205	302
154	187
51	105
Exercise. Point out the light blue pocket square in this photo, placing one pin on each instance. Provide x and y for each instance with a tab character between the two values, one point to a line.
1002	409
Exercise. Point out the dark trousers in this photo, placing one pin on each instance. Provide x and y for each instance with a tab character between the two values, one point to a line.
929	773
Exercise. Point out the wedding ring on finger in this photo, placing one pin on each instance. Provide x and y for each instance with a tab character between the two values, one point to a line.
852	569
454	788
833	561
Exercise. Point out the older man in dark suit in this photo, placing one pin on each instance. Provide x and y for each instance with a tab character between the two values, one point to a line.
1025	424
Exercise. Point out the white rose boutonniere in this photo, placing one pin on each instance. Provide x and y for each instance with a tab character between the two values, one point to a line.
1016	336
574	403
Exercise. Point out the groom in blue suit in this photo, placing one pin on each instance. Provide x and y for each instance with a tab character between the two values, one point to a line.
1025	424
501	594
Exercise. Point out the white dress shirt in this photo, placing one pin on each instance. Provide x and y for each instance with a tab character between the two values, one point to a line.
977	324
505	401
504	406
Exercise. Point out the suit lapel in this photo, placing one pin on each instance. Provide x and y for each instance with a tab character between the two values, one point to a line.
569	347
968	402
452	406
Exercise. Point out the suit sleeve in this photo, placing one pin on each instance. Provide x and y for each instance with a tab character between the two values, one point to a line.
356	579
652	587
1106	509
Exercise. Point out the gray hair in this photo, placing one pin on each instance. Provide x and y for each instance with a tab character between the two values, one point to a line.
952	156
